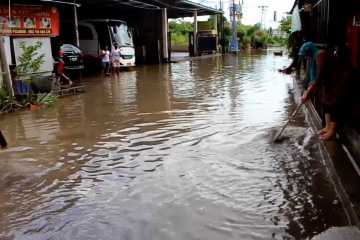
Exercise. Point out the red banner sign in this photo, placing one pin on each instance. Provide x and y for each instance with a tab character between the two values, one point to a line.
29	20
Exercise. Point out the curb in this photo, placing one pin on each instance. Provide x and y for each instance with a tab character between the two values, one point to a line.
338	163
196	57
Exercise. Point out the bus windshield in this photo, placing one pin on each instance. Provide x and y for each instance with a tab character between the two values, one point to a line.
123	36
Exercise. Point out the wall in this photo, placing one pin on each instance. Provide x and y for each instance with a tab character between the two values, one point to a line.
180	48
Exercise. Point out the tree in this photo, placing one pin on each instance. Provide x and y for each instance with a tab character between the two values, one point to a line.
257	37
180	31
28	64
285	24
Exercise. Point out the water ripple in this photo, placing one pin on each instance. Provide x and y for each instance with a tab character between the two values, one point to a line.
178	151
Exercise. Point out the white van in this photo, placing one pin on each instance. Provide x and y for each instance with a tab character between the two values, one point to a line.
95	34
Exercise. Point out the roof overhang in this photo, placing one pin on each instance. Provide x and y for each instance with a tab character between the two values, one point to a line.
175	8
187	8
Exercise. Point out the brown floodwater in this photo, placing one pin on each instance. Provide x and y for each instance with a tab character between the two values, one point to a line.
176	151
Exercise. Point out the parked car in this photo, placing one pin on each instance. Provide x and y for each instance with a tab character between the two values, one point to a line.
72	56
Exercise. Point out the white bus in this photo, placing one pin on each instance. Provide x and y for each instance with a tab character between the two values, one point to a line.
95	34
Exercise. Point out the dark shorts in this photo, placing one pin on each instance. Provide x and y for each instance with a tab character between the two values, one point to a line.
106	65
335	112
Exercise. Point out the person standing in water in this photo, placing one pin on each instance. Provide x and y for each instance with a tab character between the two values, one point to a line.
105	55
115	57
328	72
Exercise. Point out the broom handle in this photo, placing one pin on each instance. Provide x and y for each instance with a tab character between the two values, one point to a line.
292	116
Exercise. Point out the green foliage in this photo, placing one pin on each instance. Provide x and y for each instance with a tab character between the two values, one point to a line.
179	39
290	44
46	99
242	30
285	24
227	34
252	29
246	40
5	101
227	31
41	100
256	36
180	31
28	64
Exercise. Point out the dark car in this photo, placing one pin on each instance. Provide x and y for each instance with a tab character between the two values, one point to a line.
72	57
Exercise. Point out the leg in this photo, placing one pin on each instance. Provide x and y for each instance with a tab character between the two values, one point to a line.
331	133
57	79
335	115
67	78
107	68
327	111
327	126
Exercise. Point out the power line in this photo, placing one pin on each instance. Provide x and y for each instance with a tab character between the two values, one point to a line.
263	10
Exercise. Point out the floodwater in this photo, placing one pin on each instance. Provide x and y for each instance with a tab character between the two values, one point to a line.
177	151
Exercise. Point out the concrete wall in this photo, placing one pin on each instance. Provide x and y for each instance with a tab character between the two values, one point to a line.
180	48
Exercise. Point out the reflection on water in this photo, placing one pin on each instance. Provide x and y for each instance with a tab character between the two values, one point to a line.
178	151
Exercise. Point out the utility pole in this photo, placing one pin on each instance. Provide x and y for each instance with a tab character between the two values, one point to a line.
236	8
234	37
223	49
76	25
263	10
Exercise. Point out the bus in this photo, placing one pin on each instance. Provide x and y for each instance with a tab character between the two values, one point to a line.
95	34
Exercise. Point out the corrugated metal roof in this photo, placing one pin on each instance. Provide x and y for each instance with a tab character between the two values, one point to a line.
175	8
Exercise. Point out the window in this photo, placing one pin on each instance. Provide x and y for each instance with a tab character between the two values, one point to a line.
70	48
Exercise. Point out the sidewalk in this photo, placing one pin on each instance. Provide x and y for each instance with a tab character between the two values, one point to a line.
183	56
342	167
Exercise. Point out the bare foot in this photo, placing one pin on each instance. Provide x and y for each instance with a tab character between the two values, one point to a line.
322	131
329	135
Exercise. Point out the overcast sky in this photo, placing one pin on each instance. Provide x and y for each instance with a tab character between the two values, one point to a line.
251	10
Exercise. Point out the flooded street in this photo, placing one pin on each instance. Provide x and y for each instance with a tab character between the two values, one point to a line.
180	151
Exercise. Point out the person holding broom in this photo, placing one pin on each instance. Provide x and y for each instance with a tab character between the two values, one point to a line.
333	76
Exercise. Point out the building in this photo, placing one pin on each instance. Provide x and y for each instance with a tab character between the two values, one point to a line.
334	25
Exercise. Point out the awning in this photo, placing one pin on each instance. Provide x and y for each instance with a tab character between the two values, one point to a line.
175	8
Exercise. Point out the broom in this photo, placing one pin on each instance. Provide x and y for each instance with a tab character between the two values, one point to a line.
292	116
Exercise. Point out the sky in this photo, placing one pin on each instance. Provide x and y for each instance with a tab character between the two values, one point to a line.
251	10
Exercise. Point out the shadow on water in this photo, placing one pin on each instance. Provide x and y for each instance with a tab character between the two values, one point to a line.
178	151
